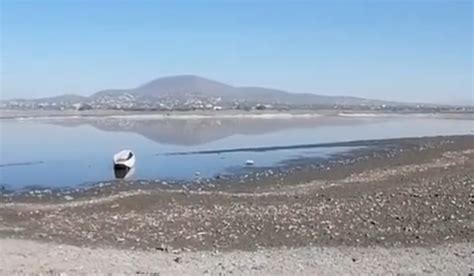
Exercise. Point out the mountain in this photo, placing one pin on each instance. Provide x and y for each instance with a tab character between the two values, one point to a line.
179	86
185	87
66	98
186	92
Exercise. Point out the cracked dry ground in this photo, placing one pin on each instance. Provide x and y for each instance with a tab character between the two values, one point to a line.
422	200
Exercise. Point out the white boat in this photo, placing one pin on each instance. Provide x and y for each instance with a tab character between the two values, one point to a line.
124	159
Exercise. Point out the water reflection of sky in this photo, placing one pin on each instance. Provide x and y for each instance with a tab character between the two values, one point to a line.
78	154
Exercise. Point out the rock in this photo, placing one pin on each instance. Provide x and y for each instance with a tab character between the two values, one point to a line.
68	198
162	248
177	260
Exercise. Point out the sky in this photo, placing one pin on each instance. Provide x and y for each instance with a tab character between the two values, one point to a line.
393	50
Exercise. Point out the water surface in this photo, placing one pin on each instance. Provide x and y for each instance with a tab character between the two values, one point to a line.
70	152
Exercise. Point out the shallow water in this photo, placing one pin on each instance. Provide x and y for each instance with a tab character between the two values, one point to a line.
70	152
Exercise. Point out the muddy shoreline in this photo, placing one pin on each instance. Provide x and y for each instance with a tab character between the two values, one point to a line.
6	114
416	192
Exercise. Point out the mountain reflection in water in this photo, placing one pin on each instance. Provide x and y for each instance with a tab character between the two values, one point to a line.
190	132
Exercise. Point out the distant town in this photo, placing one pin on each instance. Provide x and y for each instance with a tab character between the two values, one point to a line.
128	102
189	93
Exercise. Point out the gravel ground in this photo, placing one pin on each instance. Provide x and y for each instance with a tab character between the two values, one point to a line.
408	209
29	257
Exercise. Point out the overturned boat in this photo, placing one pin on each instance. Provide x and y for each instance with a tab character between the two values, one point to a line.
125	159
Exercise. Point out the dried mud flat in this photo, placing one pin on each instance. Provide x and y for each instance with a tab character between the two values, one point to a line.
29	257
407	210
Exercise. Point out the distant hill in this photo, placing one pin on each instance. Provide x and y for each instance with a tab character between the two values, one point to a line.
189	91
187	86
67	98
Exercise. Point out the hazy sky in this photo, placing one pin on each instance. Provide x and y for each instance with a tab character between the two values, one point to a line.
398	50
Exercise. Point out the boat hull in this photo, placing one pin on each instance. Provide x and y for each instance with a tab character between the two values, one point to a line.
123	172
121	167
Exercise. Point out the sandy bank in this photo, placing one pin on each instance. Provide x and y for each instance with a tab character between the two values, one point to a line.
23	256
